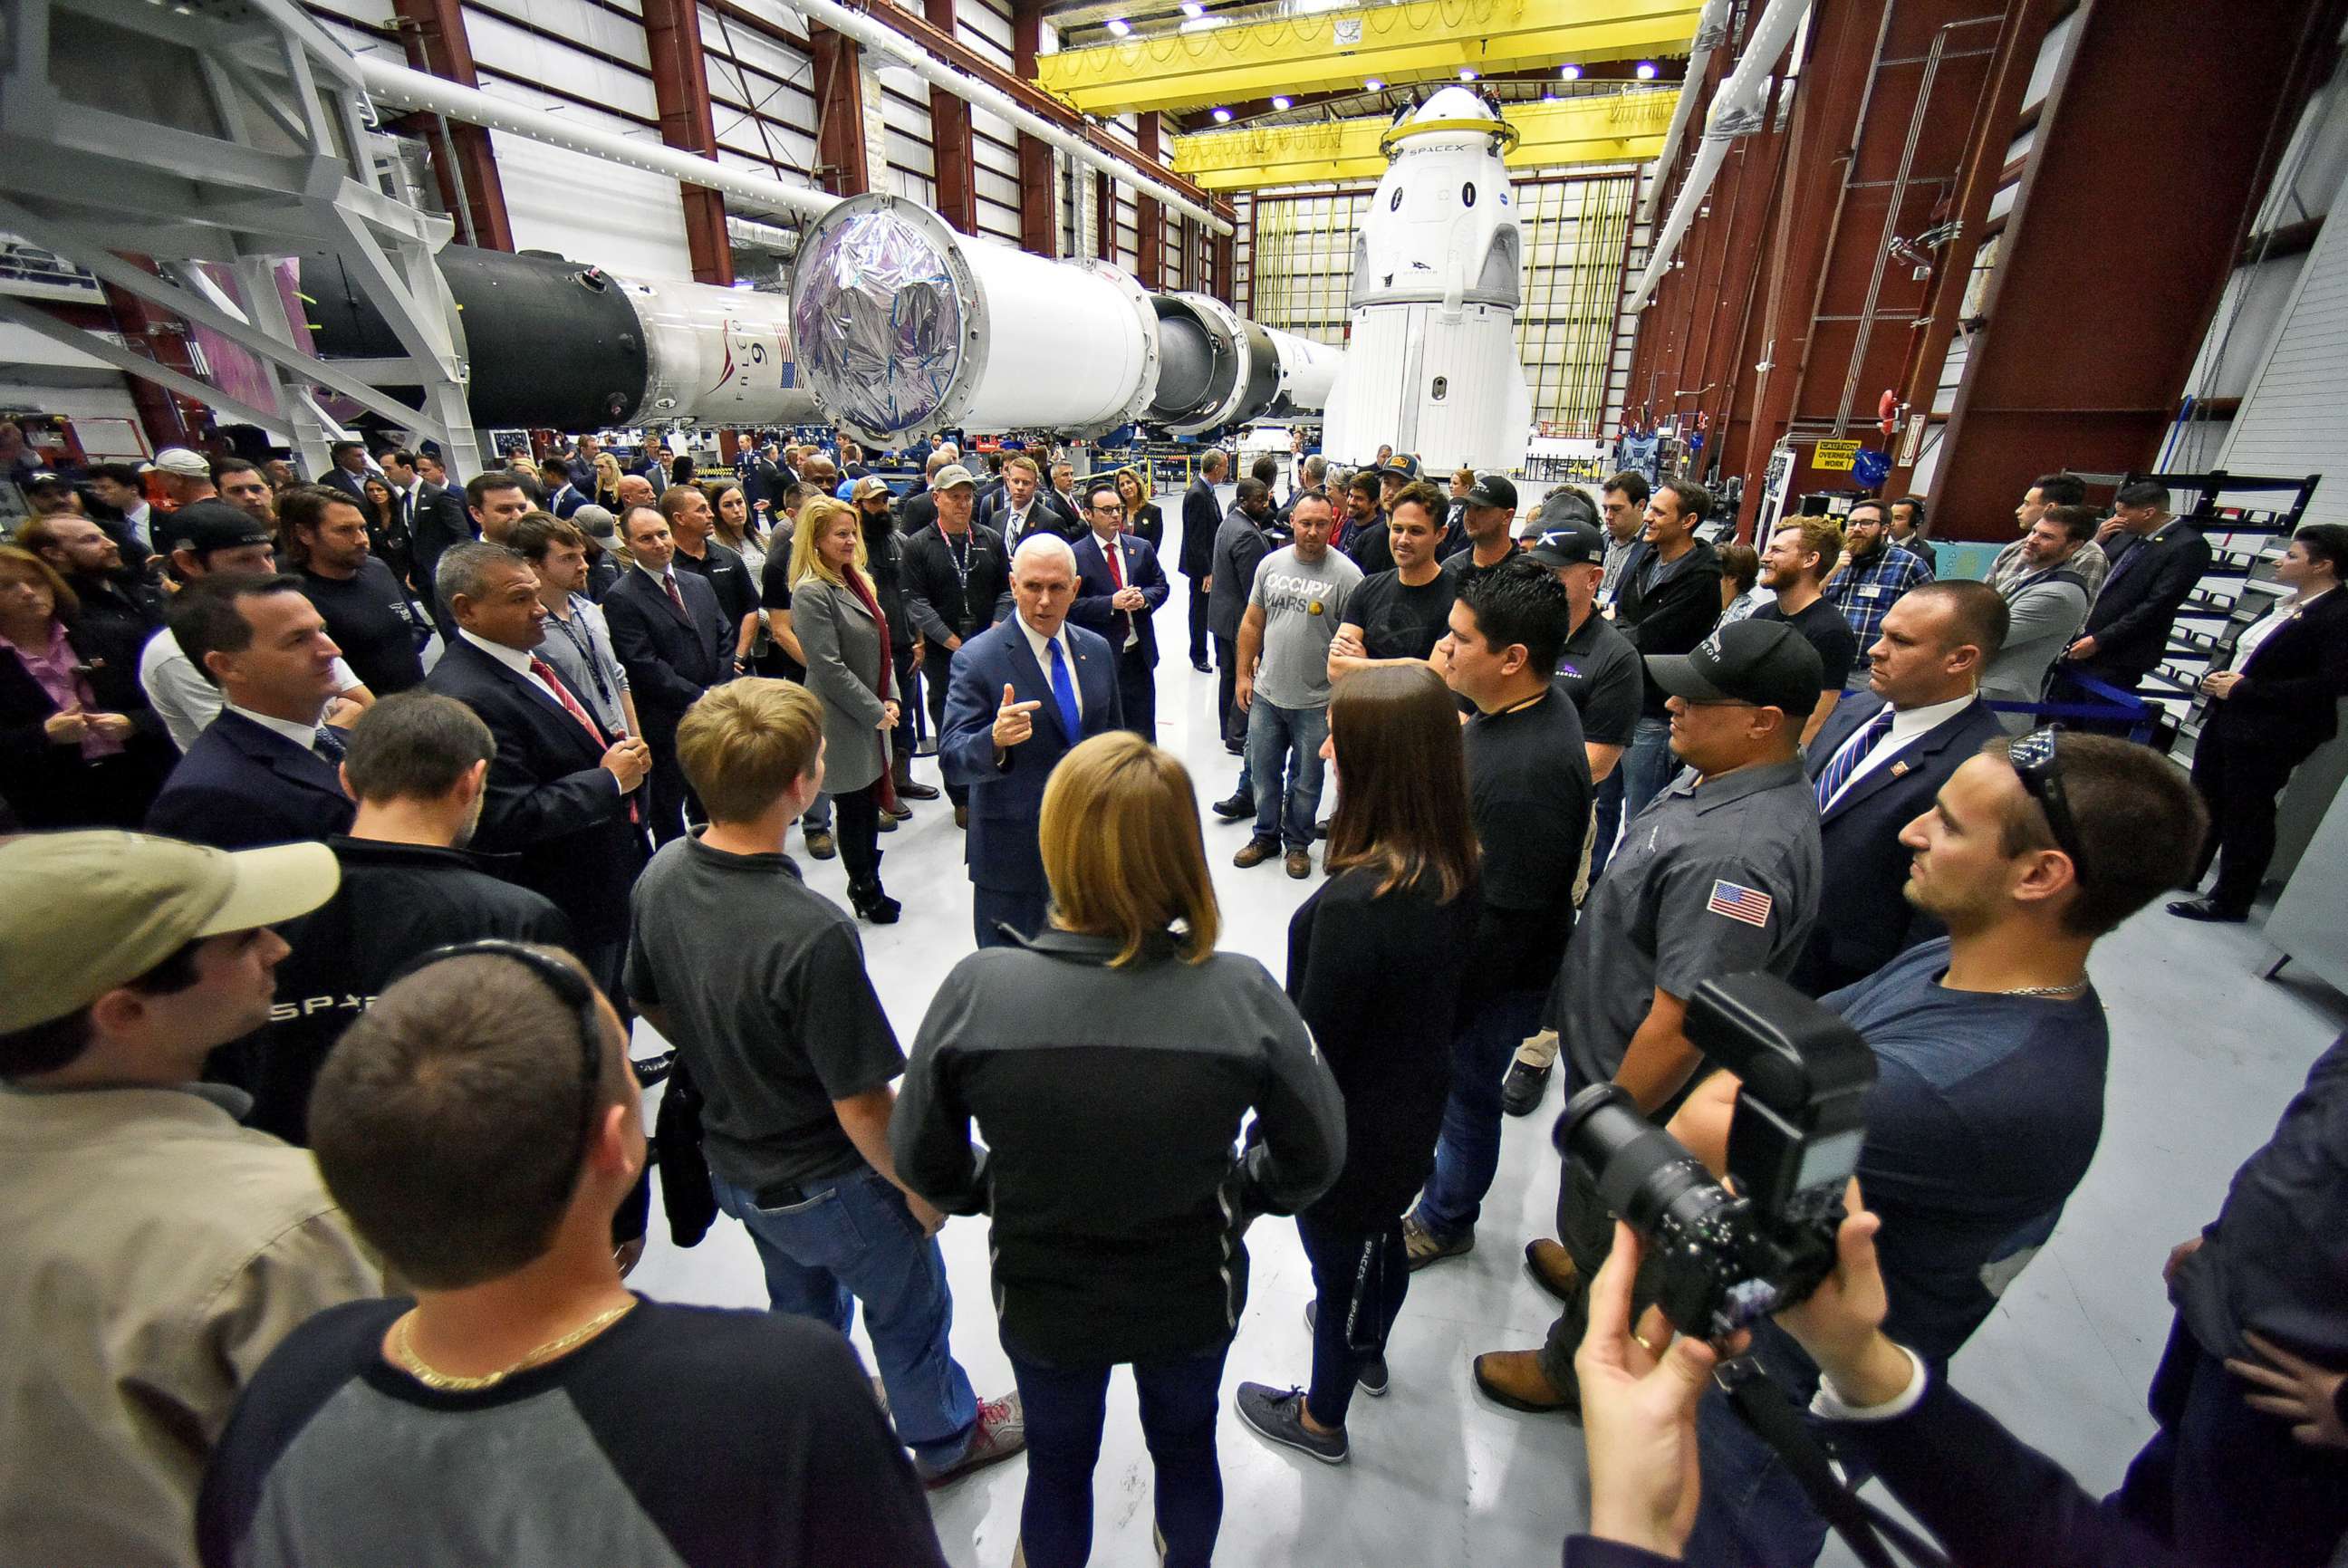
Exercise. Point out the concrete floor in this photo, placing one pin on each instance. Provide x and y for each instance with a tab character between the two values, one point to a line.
2205	1055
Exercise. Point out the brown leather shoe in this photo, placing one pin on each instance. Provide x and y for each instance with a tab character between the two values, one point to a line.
1514	1379
1552	1269
1255	851
1299	863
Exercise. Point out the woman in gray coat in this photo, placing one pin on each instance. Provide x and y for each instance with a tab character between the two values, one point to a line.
845	640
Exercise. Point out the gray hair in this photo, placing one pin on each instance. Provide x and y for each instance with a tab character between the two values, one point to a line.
1039	544
1315	467
467	569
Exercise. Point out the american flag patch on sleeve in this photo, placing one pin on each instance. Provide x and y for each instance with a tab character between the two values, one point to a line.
1749	905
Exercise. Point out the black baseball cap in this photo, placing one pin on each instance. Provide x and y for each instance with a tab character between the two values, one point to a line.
1572	545
206	525
1492	490
1765	662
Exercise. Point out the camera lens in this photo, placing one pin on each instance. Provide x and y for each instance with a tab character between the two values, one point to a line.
1641	1171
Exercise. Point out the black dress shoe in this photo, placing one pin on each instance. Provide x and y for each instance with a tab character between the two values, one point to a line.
2208	908
909	790
1238	809
1202	666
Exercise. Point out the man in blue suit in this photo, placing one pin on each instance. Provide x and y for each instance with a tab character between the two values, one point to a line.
1878	763
675	643
1119	585
1023	694
267	771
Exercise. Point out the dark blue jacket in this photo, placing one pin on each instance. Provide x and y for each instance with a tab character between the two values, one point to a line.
2134	609
1864	916
670	659
1096	588
241	785
1006	803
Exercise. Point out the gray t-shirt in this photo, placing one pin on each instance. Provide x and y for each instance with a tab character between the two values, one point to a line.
762	982
1303	603
1712	879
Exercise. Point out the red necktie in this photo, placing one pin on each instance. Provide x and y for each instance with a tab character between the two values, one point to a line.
545	672
1116	562
675	597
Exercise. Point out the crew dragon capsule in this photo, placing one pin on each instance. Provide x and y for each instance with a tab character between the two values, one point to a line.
1430	364
895	324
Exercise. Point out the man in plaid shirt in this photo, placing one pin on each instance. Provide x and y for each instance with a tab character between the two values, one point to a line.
1874	573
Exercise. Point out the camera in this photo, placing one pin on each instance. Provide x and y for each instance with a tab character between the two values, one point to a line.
1726	1258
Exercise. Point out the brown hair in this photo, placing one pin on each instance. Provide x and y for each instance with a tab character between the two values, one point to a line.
414	745
744	744
2141	826
446	1120
1121	848
1022	460
1421	493
1740	566
535	533
1821	537
64	602
1402	780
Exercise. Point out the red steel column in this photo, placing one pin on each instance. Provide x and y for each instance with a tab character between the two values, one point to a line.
1037	195
433	33
838	113
952	155
2094	322
1149	250
681	95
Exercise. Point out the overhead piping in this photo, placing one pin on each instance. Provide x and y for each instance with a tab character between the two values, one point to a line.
887	40
411	90
1737	109
1710	31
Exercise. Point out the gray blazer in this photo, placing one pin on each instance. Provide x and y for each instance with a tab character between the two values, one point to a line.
842	644
2043	617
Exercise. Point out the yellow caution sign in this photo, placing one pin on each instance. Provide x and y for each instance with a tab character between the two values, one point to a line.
1837	456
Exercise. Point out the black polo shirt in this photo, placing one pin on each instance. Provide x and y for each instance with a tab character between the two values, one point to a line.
1600	671
1398	621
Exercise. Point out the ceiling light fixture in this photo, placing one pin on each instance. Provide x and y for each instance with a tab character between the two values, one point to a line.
1569	73
1192	9
1646	71
1466	74
1284	101
1223	117
1118	26
1374	84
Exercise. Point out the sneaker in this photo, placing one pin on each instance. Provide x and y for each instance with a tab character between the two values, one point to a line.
1424	1246
1238	809
1521	1091
1001	1432
1372	1378
1279	1418
1255	851
1298	864
820	844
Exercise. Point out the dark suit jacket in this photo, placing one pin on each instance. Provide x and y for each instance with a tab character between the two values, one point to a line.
1005	802
1096	588
1149	526
549	802
671	659
1864	917
440	520
1202	514
51	786
2288	701
1241	545
2131	615
1053	517
916	512
565	501
350	484
241	786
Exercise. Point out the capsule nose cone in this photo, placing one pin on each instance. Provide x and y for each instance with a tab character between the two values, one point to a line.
1453	103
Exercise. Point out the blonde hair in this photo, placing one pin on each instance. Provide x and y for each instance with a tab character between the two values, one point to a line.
1121	848
745	743
814	518
1022	460
607	472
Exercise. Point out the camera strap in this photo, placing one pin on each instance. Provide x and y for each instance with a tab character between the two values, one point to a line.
1762	1405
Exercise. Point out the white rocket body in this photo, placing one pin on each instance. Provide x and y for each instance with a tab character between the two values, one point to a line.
1431	366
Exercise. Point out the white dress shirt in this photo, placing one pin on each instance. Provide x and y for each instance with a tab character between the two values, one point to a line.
1907	723
181	694
2255	635
1120	562
304	735
1041	647
519	662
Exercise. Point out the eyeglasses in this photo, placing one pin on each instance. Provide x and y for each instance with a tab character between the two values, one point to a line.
2039	761
572	989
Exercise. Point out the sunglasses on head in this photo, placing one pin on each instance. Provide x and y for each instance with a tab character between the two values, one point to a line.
2039	761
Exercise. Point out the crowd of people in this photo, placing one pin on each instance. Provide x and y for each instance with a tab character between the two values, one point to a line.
370	815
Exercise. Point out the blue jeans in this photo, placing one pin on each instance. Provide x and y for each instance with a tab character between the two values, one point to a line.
1065	1407
1285	742
851	1240
1350	1270
1647	767
817	817
1467	1155
1609	820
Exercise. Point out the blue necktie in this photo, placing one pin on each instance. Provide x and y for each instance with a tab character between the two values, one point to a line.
1063	694
1854	752
327	744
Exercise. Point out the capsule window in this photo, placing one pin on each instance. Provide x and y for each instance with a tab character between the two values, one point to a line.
1442	383
1467	193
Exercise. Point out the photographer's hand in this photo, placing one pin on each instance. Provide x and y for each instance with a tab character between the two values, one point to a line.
1841	1324
1638	1416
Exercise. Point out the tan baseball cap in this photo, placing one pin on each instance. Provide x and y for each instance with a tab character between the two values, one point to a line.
871	484
186	464
92	910
953	474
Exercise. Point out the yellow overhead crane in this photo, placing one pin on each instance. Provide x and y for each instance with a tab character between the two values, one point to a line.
1331	51
1614	127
